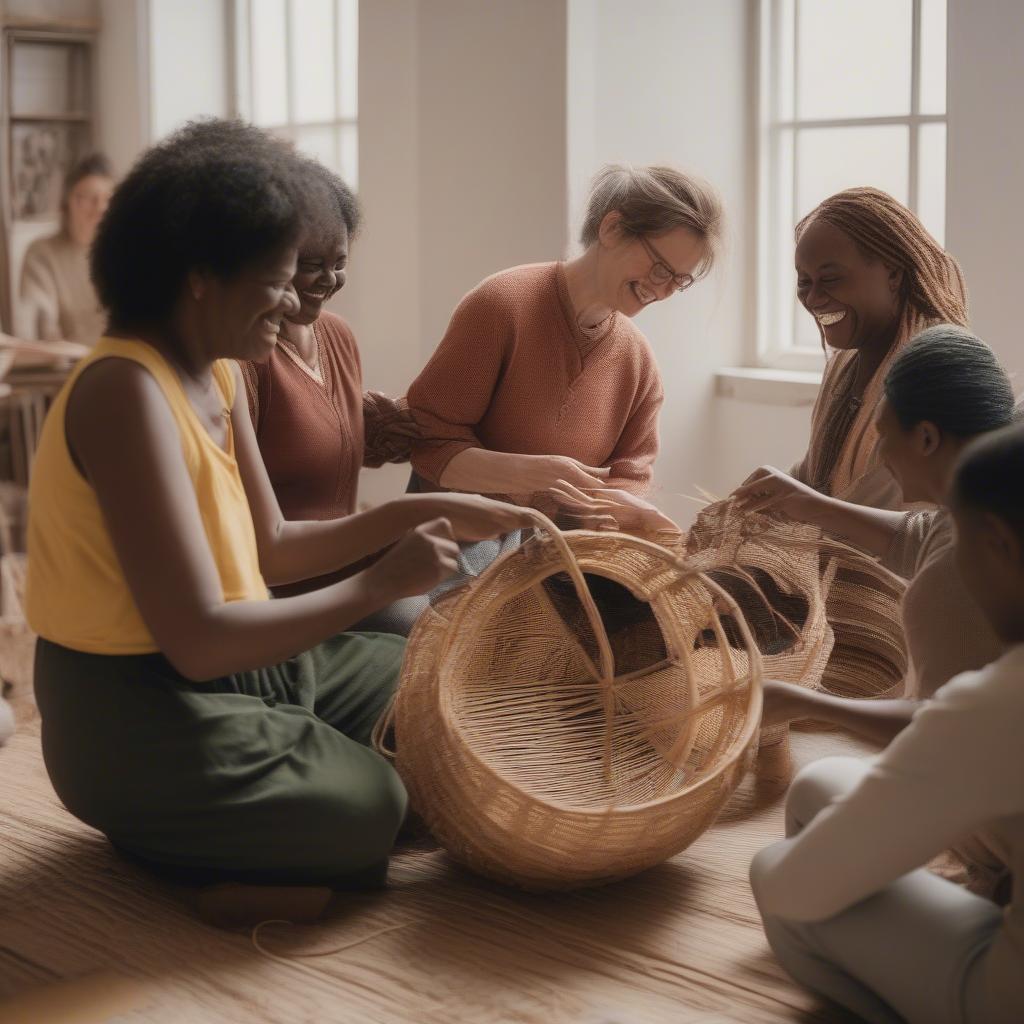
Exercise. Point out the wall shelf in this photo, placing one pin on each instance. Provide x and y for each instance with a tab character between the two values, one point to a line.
47	125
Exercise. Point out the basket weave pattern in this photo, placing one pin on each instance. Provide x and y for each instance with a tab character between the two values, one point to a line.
852	642
550	744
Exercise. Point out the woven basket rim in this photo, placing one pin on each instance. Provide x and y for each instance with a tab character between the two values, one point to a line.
752	682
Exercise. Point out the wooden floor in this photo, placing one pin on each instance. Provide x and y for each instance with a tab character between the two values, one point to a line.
681	943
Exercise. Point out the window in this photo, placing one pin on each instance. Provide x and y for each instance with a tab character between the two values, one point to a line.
852	92
296	65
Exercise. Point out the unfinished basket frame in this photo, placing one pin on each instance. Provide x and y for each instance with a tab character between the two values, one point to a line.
853	638
620	773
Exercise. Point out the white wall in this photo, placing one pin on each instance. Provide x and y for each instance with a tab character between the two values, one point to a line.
160	63
188	65
984	205
381	299
123	85
462	170
671	81
492	124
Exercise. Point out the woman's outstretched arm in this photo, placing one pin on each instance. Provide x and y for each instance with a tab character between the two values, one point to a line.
870	529
879	721
301	550
126	442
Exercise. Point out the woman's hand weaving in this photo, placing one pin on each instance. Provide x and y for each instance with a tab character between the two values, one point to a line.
770	488
617	508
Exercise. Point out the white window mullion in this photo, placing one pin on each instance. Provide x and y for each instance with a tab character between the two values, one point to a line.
290	78
915	104
821	154
767	142
270	85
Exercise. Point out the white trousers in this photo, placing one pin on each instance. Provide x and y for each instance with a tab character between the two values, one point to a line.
910	953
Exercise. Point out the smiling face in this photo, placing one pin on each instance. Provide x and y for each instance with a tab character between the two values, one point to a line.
86	204
625	264
854	299
240	318
320	273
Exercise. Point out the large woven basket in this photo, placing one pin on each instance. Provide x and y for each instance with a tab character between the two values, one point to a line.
552	742
847	639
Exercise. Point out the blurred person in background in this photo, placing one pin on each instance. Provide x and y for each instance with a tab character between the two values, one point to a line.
58	301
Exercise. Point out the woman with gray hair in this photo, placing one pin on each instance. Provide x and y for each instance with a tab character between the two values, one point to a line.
542	379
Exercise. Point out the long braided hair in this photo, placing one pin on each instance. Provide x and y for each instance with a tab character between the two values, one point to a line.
932	291
933	288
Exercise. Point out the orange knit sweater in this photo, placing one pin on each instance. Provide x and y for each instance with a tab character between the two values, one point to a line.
515	373
311	434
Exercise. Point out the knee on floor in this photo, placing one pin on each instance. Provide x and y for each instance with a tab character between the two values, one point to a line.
758	873
818	784
363	821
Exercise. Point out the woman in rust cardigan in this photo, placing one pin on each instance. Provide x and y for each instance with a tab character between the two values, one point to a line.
315	426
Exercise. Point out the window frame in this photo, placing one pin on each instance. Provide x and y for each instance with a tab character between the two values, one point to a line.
243	87
773	350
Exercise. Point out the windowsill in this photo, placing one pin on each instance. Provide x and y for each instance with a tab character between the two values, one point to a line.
768	386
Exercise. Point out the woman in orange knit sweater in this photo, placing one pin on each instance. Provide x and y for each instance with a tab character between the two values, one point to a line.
542	378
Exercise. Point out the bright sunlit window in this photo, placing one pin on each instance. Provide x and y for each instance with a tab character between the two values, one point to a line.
853	92
296	73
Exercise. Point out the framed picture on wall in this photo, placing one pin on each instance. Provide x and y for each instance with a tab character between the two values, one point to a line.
47	124
41	153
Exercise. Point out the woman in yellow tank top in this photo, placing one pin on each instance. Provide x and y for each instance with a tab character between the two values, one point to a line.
202	727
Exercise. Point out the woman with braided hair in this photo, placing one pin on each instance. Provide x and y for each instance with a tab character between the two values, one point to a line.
872	277
942	391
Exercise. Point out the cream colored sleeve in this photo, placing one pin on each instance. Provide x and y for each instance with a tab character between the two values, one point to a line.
954	769
902	556
39	310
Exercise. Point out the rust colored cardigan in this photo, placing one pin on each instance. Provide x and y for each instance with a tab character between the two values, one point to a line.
311	434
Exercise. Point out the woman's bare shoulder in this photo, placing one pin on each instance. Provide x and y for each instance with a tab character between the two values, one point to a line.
111	392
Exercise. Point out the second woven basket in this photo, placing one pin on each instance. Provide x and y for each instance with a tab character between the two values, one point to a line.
824	614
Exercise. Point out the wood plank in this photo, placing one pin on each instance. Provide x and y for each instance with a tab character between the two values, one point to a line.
681	943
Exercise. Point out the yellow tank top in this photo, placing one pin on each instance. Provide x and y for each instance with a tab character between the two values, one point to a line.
76	593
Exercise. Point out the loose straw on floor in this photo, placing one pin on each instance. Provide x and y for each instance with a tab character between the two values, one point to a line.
255	937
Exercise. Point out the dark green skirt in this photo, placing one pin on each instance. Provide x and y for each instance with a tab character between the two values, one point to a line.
263	776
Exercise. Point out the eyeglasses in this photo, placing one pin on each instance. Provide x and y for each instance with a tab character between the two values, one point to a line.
661	271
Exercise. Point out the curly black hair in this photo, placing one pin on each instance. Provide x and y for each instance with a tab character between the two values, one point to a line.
329	203
216	195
